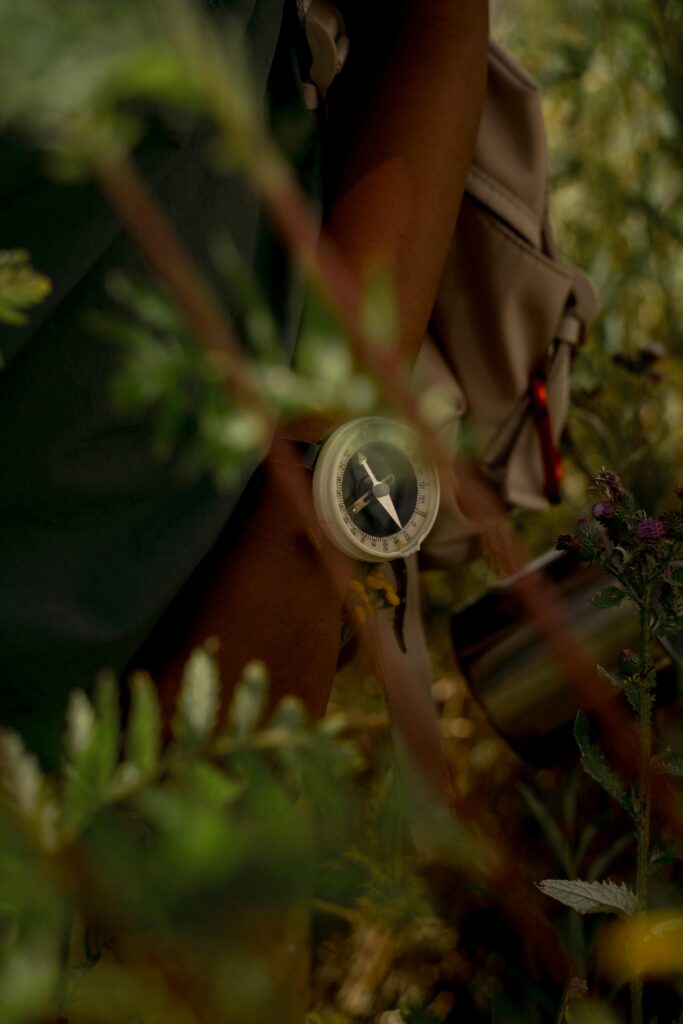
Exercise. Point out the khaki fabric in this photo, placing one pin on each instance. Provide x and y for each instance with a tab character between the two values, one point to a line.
507	306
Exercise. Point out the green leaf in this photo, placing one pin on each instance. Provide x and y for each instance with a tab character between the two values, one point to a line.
108	728
249	700
676	578
209	783
594	764
663	854
91	750
21	287
143	736
21	779
591	897
610	597
604	674
667	763
552	830
289	715
198	701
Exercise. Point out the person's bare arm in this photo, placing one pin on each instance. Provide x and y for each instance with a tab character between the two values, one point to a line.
404	124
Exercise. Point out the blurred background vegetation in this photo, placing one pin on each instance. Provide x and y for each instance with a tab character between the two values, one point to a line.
612	83
179	888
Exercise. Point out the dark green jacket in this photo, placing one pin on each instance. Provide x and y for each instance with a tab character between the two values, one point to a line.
96	536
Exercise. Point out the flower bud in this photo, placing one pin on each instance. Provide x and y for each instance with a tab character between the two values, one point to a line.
568	542
609	484
602	510
629	662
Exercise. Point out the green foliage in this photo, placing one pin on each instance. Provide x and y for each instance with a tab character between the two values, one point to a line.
591	897
596	766
21	287
163	843
143	735
608	598
183	849
197	708
150	50
609	77
643	553
91	753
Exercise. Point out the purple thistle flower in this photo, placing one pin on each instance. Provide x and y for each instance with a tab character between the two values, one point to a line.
568	542
602	510
650	530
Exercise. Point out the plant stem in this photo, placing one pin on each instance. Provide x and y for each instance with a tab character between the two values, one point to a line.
644	786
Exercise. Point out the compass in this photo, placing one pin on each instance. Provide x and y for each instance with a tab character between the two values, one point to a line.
375	489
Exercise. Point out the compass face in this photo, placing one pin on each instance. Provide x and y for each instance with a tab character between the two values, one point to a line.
375	492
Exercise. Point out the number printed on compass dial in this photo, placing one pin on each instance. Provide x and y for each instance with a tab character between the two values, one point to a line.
385	492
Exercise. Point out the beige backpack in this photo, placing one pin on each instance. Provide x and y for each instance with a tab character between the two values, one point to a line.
509	314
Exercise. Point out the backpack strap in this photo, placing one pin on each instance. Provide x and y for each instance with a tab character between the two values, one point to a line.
329	45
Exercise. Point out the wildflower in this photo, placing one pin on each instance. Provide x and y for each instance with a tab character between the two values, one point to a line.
650	530
609	484
602	510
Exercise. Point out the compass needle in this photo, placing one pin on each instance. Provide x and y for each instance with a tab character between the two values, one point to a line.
380	491
365	499
366	465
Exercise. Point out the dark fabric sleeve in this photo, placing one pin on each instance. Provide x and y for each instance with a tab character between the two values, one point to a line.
96	535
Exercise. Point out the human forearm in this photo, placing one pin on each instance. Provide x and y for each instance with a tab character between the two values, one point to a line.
404	124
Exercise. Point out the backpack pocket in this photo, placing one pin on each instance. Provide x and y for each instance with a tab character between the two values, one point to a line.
509	313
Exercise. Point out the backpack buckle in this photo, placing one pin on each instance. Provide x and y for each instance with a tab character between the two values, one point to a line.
553	468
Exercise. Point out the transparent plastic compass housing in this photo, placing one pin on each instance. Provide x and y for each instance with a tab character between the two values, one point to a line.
375	490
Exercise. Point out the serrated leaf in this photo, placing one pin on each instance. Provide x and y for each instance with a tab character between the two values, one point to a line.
91	750
249	699
594	764
667	764
604	674
143	736
610	597
198	702
663	855
591	897
632	694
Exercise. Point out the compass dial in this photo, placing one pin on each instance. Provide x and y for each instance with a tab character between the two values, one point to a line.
375	491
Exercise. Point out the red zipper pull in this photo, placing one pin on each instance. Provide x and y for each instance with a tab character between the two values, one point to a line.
553	469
